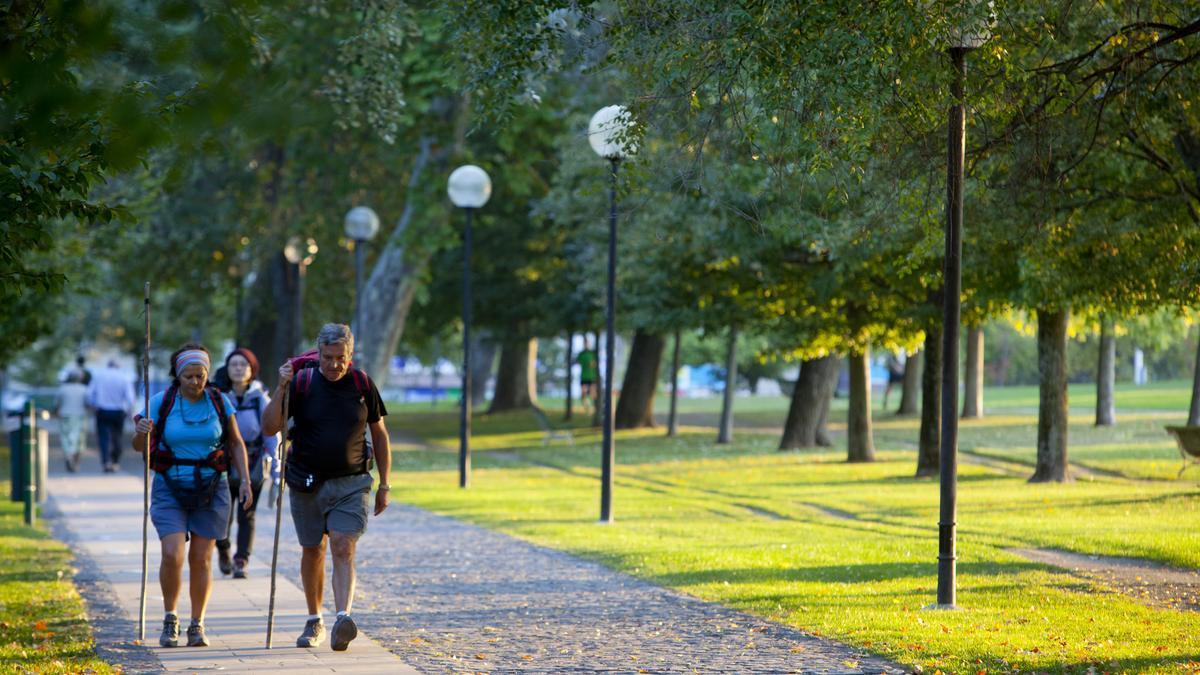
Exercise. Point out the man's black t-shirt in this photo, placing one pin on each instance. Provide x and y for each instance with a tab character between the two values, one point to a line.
329	438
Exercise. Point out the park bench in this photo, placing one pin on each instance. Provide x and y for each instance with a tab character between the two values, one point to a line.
1188	440
549	433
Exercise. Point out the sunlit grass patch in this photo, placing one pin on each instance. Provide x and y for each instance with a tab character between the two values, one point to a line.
43	625
849	550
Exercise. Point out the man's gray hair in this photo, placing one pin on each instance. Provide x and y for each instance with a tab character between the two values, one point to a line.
335	333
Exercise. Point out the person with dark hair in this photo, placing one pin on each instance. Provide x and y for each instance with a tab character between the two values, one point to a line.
589	375
895	369
333	405
250	399
85	375
191	433
111	395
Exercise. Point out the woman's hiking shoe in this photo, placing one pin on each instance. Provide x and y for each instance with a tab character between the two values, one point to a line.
170	634
314	632
196	637
343	632
239	568
223	561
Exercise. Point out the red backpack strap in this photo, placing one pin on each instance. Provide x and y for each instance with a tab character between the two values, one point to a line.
219	458
304	380
161	457
361	382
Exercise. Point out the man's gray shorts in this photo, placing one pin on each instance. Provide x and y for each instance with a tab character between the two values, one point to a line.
339	505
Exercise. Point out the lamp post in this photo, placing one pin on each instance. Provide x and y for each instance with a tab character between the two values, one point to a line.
607	134
962	40
469	188
243	276
361	224
301	253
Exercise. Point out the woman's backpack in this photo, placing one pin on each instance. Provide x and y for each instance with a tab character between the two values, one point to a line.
200	493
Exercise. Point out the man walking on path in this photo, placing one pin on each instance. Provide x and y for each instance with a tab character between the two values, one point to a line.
110	394
331	406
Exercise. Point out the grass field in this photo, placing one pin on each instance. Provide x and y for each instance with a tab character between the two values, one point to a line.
849	550
43	626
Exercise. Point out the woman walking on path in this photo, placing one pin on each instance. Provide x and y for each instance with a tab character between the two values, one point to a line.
191	433
250	399
71	408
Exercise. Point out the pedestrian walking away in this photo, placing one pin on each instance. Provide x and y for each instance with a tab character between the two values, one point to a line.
250	401
331	405
111	395
71	408
589	374
85	375
191	433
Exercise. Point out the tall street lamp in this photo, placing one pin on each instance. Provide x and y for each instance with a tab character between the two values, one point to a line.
962	40
469	188
301	253
608	135
361	224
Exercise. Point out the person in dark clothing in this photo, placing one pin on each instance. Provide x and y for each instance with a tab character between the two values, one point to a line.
328	471
250	401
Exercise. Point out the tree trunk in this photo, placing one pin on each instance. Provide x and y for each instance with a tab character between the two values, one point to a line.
930	438
1106	376
725	433
570	378
673	416
1052	389
1194	410
270	317
973	382
635	408
860	446
389	290
809	409
910	392
483	357
516	378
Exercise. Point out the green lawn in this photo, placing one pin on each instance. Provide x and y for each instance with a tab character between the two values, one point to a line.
43	626
849	551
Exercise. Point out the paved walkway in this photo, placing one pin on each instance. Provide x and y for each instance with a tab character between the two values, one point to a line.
443	595
100	516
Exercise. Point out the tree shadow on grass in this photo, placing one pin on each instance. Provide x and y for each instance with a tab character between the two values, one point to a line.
850	573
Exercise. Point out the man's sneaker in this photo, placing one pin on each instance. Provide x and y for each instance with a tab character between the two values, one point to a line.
314	632
223	561
343	632
239	568
170	634
196	637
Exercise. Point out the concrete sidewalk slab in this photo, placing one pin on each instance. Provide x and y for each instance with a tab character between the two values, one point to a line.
101	514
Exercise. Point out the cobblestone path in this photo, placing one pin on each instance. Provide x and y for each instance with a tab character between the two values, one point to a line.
451	597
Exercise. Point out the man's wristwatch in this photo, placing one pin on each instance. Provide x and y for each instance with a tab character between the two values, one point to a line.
384	488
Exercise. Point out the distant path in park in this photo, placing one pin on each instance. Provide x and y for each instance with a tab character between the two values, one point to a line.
1152	583
449	596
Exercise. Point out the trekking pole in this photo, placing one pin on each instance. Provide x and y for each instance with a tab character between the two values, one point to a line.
145	475
283	450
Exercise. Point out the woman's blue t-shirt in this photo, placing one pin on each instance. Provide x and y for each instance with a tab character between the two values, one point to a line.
193	430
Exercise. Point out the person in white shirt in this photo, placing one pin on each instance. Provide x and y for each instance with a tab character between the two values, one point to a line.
111	395
71	408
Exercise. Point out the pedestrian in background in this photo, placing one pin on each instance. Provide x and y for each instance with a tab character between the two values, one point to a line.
111	395
71	408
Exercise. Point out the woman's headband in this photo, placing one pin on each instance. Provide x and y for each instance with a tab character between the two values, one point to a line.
187	358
